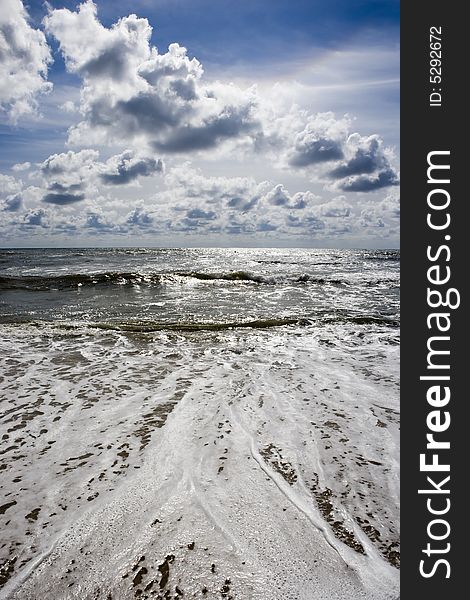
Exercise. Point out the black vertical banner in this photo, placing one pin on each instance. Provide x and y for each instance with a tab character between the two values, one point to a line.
434	128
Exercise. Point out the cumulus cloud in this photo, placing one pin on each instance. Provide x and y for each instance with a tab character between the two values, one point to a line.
98	222
24	60
132	92
11	198
320	141
195	203
21	166
390	206
327	151
139	217
190	203
13	203
62	198
126	167
279	196
71	177
69	165
35	218
336	207
367	166
68	176
380	216
236	205
163	105
9	185
68	106
370	218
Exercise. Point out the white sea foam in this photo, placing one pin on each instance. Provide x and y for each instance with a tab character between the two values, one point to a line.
274	452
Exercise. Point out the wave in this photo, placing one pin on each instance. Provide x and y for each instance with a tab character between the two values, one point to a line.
230	276
48	282
155	326
149	327
73	281
384	255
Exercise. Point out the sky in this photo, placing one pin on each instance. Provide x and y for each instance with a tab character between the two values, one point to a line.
199	123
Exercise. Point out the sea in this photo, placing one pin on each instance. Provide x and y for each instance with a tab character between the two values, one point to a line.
199	423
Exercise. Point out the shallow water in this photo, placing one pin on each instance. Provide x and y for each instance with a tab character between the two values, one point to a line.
213	423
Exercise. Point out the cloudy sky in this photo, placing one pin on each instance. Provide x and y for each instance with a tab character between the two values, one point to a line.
199	123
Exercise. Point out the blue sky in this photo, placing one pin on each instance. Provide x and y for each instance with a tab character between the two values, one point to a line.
222	32
277	123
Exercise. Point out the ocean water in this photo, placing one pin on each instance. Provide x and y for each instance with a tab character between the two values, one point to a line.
199	423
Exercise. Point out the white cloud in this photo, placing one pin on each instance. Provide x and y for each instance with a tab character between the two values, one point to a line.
320	141
141	105
11	198
336	207
132	93
139	217
390	206
21	166
68	176
71	177
240	205
68	106
9	185
35	218
194	203
189	203
24	60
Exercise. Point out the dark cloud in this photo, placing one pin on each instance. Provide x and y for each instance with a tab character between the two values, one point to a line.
242	204
235	202
142	114
125	168
265	226
62	188
315	151
320	141
367	169
185	89
299	203
368	183
110	63
361	163
366	160
232	123
63	199
197	213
